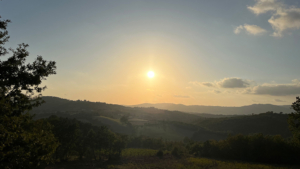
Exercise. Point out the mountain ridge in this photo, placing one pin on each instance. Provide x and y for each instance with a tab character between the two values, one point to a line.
217	110
192	109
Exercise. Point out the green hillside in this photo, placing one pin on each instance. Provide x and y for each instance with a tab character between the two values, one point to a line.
157	123
265	123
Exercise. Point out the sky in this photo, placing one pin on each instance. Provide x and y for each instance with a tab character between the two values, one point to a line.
221	53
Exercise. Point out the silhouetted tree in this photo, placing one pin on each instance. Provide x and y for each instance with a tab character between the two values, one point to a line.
124	119
24	143
85	140
252	148
294	120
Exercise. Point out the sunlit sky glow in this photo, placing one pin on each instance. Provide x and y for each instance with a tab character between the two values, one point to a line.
225	53
150	74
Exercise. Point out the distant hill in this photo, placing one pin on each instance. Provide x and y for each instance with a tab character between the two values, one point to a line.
55	105
265	123
146	120
217	110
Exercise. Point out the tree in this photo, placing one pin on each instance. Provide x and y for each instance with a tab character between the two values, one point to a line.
294	119
24	143
67	133
124	119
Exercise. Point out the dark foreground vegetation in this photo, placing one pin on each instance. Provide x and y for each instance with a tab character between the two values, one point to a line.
63	141
252	148
81	140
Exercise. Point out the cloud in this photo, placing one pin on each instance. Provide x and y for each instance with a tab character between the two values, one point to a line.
233	83
263	6
182	96
251	29
254	29
246	91
238	29
289	19
207	84
216	91
277	90
295	81
283	17
278	100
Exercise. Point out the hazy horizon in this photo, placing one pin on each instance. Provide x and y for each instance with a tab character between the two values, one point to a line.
214	53
165	103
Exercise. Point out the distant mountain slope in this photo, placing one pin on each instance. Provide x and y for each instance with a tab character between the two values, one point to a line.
244	110
58	106
167	124
265	123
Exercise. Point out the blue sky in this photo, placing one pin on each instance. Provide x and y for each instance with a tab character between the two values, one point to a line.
247	51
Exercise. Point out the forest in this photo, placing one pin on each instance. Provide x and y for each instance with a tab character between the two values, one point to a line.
51	132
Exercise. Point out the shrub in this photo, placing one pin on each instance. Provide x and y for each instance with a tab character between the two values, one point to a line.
252	148
176	152
160	154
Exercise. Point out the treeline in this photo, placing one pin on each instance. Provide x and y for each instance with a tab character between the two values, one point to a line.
153	143
268	123
84	140
252	148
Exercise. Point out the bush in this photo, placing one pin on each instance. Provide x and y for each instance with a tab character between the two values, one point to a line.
160	154
252	148
83	139
176	152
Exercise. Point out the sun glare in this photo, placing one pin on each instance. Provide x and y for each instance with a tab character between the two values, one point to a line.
150	74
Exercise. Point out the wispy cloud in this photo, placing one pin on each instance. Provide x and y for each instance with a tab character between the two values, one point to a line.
251	29
278	100
216	91
232	82
207	84
244	86
238	29
283	17
277	89
263	6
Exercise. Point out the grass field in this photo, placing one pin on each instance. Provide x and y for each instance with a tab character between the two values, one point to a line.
108	118
169	133
134	152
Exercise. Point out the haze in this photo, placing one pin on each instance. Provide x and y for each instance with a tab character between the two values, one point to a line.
221	53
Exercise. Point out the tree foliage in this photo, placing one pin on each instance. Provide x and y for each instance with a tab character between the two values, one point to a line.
252	148
85	140
24	143
294	120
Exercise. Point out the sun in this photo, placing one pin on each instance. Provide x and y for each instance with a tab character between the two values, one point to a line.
150	74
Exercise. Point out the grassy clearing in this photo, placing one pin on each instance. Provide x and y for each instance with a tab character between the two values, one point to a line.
108	118
191	163
157	132
134	152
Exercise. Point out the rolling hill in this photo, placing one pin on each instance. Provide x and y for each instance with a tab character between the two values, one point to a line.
171	125
218	110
